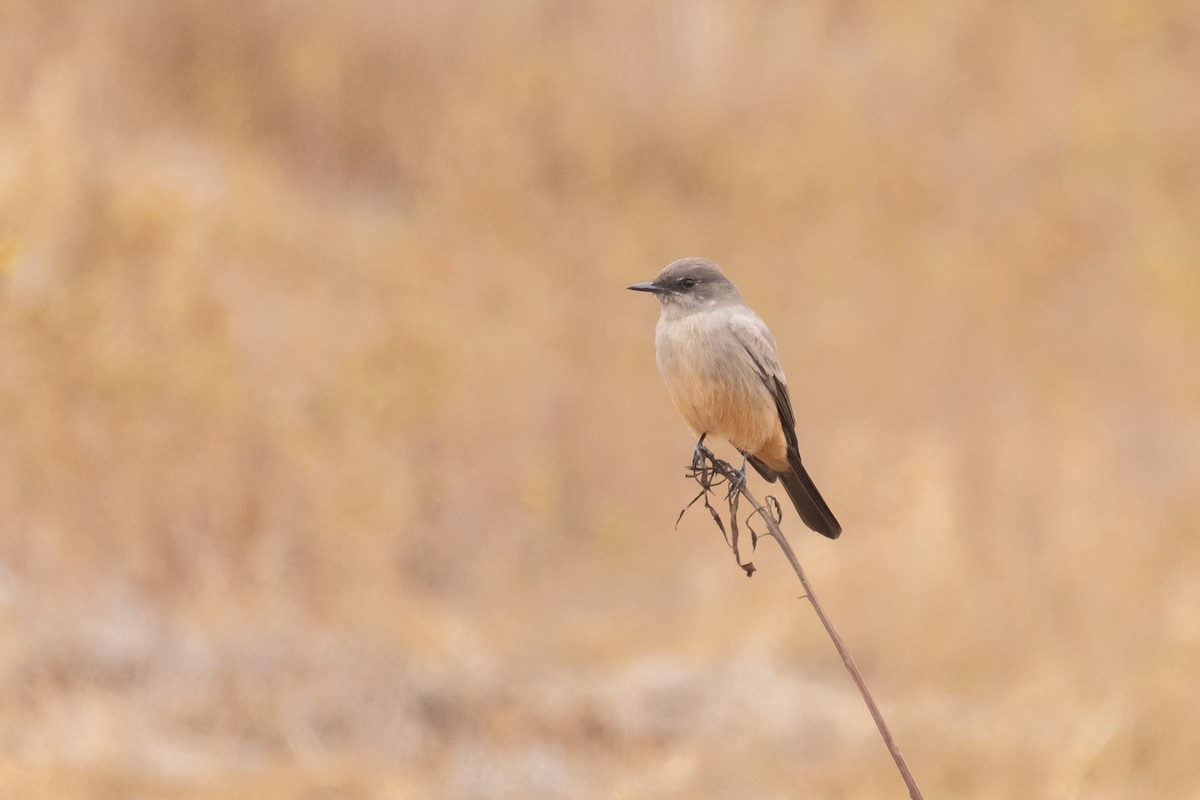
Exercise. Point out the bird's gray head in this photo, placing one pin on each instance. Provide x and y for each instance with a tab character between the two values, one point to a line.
689	285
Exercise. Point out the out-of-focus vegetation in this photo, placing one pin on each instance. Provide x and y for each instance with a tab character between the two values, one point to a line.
333	461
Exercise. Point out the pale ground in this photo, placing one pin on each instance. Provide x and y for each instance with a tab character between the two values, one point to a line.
333	462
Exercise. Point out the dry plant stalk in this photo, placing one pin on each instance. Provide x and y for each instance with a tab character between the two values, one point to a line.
710	472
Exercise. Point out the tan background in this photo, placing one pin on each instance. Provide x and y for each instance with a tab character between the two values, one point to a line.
333	461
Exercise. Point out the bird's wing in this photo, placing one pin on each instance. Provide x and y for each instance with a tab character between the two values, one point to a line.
756	339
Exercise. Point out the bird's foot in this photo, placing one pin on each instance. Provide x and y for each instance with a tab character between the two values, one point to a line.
700	454
737	481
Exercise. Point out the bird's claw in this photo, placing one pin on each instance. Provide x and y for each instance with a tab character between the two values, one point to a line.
737	481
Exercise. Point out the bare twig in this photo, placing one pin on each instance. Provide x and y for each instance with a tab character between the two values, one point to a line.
710	471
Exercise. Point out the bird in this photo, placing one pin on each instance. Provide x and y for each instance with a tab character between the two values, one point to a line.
721	367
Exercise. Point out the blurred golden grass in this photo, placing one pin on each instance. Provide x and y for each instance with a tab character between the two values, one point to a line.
333	461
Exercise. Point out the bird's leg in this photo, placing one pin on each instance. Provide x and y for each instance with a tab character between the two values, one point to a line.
737	482
699	453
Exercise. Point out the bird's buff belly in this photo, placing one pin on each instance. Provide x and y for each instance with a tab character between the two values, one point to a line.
737	410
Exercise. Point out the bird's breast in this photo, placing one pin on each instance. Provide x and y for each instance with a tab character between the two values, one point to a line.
713	383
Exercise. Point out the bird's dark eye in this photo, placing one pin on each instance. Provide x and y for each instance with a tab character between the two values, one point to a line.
688	283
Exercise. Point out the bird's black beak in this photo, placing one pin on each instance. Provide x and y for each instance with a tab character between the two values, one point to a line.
653	288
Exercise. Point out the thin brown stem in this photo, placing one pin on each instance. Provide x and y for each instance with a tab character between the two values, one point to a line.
914	791
738	484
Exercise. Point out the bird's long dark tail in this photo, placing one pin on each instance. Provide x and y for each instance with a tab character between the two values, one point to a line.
808	500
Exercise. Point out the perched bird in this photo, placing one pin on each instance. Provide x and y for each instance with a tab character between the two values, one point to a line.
721	368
